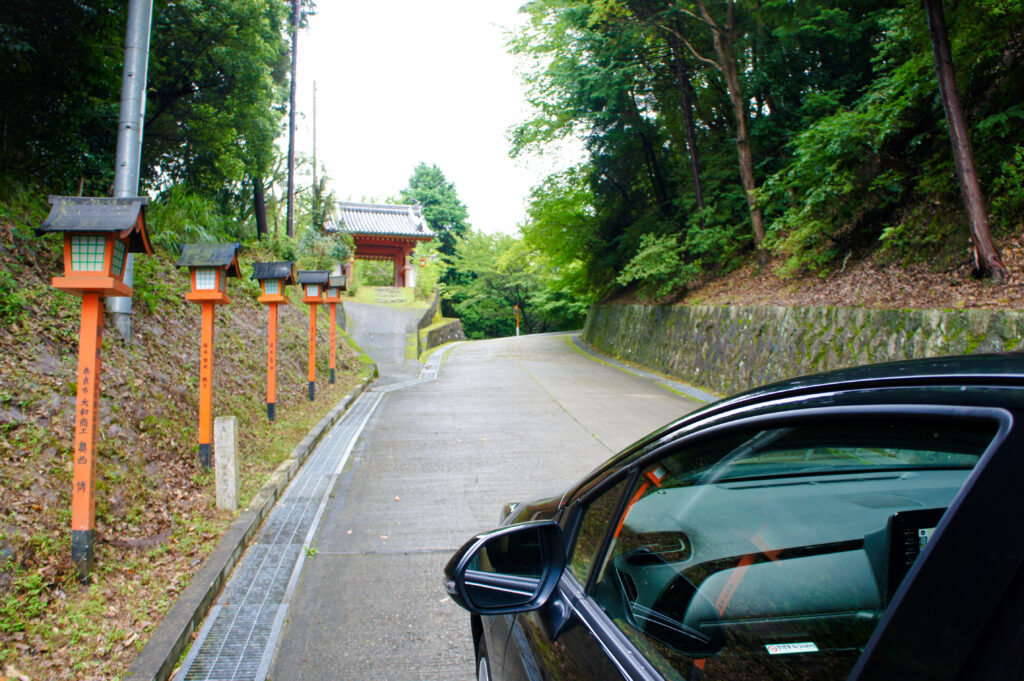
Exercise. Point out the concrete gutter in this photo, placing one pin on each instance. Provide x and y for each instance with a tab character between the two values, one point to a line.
161	653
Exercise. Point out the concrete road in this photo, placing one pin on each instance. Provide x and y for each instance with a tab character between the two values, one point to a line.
506	419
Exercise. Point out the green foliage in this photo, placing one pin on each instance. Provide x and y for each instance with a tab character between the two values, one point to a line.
1008	189
216	94
658	266
428	269
217	91
59	102
444	212
498	272
375	273
12	299
318	250
179	217
848	136
24	601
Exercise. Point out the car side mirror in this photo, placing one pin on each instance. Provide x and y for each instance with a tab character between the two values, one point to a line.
510	570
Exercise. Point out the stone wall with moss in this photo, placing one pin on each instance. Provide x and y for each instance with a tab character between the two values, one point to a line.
445	332
731	348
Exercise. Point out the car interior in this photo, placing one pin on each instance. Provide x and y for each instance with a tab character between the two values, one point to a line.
780	547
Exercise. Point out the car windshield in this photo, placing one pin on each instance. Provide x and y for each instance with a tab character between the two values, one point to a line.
815	449
773	552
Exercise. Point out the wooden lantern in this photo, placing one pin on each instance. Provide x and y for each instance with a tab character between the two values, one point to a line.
209	266
313	283
273	277
98	233
335	285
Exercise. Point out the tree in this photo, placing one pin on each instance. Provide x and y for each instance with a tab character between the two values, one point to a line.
59	100
216	94
725	33
986	258
499	272
443	211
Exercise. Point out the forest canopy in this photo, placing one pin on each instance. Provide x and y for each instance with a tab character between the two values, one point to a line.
717	131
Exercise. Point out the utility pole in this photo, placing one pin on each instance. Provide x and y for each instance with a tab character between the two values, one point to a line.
290	224
316	222
129	138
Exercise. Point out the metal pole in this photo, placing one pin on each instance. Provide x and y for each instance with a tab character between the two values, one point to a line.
129	137
316	188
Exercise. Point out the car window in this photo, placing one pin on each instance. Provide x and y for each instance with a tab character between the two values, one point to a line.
773	552
593	528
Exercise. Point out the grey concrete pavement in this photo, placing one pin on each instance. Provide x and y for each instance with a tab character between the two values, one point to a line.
506	419
380	330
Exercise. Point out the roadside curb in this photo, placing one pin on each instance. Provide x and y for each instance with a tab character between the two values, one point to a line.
676	386
161	653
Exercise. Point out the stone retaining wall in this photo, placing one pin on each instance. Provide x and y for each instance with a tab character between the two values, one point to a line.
445	333
731	348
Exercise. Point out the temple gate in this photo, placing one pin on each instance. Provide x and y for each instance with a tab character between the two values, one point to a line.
383	232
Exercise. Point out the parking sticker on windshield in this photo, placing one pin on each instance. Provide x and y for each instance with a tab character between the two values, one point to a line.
790	648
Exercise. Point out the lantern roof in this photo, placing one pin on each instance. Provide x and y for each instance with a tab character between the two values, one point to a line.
314	276
274	270
91	214
211	255
337	281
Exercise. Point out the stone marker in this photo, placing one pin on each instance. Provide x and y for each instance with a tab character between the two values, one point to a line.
225	435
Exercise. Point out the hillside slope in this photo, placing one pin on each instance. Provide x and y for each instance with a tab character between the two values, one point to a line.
156	518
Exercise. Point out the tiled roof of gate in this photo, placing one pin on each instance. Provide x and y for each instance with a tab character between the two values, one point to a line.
379	218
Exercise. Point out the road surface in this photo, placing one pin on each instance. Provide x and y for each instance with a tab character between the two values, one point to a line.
504	420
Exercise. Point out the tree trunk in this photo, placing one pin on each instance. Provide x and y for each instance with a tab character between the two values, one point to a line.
723	42
987	261
682	73
259	200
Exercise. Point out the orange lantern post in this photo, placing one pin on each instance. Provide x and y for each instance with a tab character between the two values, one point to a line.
273	277
209	265
98	233
313	283
335	285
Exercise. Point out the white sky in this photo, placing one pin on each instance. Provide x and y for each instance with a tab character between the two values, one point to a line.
404	81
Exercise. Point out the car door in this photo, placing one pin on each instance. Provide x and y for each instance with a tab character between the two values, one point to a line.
565	640
770	547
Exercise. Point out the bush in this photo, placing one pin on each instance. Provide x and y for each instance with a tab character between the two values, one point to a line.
658	267
12	298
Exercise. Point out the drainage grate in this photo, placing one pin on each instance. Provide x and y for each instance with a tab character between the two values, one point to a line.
238	639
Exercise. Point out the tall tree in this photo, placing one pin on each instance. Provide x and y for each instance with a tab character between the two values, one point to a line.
215	91
987	260
61	84
444	212
725	33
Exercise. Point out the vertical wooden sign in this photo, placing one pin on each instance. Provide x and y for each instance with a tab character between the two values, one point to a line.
272	361
206	385
83	496
312	350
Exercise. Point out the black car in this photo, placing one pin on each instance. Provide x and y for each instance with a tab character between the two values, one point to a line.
865	524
